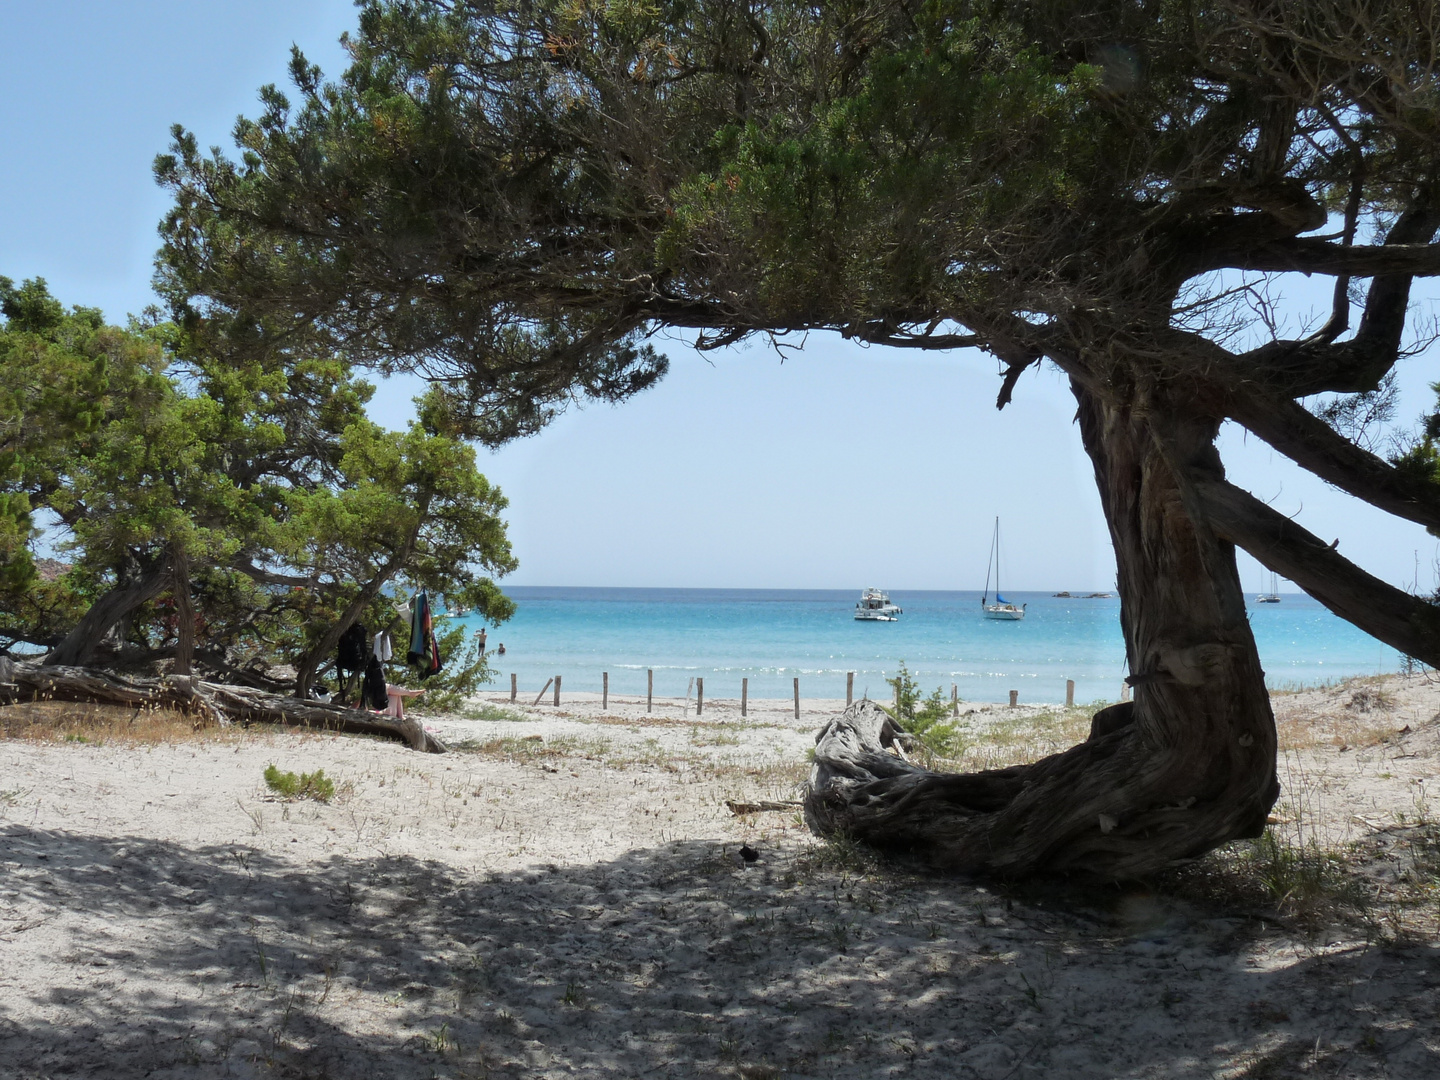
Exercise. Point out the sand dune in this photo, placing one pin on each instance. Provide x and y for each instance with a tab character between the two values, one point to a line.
560	897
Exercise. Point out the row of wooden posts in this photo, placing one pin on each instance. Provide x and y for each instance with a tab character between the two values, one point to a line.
745	693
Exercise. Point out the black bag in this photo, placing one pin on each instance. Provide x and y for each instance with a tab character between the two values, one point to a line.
350	654
373	688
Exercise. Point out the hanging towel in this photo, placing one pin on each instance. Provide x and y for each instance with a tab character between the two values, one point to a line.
419	627
383	649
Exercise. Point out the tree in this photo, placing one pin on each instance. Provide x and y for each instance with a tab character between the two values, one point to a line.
53	375
252	505
512	198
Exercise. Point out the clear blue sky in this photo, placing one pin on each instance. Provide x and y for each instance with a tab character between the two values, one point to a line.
838	468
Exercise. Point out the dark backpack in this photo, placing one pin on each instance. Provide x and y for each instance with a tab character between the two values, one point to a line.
350	653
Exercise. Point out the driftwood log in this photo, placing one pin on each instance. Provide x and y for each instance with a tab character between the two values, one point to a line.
215	703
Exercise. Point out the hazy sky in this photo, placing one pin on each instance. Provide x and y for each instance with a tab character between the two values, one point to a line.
840	467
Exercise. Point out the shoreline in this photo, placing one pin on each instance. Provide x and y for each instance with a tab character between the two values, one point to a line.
809	706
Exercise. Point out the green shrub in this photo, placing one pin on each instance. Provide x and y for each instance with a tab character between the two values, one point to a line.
288	785
926	718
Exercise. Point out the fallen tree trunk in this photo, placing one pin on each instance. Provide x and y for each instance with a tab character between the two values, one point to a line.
214	703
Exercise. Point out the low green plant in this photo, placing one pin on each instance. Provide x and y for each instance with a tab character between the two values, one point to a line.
574	994
485	711
291	785
924	718
1299	876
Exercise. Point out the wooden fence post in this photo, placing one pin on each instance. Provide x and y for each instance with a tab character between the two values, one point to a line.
604	691
849	688
954	699
541	696
557	691
797	697
649	687
1014	698
514	688
699	697
1069	693
744	694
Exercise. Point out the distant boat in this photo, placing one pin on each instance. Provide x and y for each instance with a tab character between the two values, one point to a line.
1273	596
875	606
1002	608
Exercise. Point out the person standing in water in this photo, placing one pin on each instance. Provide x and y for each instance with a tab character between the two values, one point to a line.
480	635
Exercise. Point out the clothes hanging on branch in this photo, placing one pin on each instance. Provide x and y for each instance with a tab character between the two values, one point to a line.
350	653
383	649
373	688
419	623
424	652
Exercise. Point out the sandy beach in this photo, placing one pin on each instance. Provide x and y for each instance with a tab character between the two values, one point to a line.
561	896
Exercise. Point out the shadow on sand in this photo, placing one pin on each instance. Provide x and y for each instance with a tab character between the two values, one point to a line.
163	961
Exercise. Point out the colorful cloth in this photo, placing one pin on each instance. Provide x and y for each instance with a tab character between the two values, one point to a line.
424	652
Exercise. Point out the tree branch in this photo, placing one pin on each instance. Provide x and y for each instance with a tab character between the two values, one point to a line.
1405	622
1314	445
1308	255
268	577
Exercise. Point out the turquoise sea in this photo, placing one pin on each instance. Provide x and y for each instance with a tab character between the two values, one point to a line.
772	636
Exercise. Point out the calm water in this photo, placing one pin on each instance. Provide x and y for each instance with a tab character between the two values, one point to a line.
773	635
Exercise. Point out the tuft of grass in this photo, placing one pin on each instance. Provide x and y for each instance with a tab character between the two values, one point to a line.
1001	740
1297	881
840	853
1353	714
1299	877
290	785
528	749
1292	869
484	710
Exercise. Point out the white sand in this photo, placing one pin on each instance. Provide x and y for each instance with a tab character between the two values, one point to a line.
561	900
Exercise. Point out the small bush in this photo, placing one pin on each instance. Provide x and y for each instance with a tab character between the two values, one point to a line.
288	785
924	718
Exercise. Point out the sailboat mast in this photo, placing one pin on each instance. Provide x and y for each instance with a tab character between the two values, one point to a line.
992	562
997	558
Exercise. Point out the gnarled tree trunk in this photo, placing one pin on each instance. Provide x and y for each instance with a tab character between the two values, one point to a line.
1190	765
184	611
80	644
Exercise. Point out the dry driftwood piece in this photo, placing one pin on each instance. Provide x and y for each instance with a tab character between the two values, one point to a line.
738	808
215	702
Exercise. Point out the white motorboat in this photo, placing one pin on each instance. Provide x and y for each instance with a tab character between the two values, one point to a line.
875	606
1001	608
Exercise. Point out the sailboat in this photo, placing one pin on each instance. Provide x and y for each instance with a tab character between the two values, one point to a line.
1273	596
1002	608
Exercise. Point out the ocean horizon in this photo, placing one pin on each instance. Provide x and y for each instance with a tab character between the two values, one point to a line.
772	636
